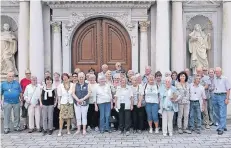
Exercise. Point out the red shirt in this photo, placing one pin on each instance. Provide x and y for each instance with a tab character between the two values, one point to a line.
24	82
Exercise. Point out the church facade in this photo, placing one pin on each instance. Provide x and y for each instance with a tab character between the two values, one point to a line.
59	36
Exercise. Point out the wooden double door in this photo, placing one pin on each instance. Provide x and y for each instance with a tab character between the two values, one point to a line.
101	41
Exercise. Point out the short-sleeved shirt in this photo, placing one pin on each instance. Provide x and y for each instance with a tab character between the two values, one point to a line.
151	94
24	82
137	91
124	96
32	94
197	92
103	94
222	84
66	95
11	91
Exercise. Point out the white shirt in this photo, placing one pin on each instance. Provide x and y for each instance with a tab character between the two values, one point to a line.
32	94
103	94
92	97
124	96
66	96
151	94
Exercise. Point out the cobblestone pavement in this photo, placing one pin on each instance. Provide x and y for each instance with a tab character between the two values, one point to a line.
208	139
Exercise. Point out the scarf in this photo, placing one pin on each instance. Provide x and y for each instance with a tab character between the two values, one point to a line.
49	92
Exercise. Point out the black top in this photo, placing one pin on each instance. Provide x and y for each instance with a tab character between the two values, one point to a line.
50	100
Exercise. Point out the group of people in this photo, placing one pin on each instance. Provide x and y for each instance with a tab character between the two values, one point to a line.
118	100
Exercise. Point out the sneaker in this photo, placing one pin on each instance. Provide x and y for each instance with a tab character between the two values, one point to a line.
68	132
59	134
210	123
6	131
207	127
156	130
164	135
180	131
187	131
150	131
139	132
24	127
170	134
220	132
96	129
121	132
134	131
127	133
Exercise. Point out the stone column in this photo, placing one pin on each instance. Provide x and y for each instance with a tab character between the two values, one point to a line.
143	45
23	37
177	50
36	40
162	36
226	44
57	49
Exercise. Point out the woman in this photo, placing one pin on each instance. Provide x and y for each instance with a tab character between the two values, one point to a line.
183	102
92	115
104	101
65	103
168	106
124	102
47	102
32	97
81	93
152	103
108	78
174	78
129	76
138	110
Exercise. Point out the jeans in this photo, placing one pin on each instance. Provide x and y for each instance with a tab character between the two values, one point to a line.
47	113
152	111
124	118
183	112
195	111
220	109
7	113
105	112
138	118
81	114
211	110
34	115
92	116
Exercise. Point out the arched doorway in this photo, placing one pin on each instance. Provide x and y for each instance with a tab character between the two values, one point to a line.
101	41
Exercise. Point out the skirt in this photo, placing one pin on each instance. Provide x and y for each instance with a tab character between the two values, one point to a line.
66	111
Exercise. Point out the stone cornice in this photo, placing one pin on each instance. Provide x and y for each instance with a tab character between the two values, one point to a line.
100	4
202	3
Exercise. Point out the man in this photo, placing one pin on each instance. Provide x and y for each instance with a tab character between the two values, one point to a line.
104	69
24	82
211	88
118	67
12	92
147	73
197	103
221	99
204	82
190	78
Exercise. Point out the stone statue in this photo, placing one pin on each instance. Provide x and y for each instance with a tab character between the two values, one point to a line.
8	50
199	43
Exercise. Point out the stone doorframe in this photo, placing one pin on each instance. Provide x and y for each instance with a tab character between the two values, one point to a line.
73	14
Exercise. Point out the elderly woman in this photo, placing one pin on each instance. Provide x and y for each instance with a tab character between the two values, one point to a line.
108	78
183	102
65	103
92	115
104	101
81	93
124	102
47	102
138	110
168	106
32	96
152	103
129	76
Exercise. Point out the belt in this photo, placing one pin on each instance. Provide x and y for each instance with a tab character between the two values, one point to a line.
220	93
194	100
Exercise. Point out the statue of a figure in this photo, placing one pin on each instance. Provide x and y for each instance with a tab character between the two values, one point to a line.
8	50
199	43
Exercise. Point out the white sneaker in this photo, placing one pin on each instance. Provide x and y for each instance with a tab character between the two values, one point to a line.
150	131
170	134
164	135
59	134
157	130
96	129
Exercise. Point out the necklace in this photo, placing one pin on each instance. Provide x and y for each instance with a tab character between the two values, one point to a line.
10	86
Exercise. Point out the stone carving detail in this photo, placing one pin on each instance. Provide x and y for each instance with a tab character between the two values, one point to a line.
8	50
56	27
76	18
199	43
144	26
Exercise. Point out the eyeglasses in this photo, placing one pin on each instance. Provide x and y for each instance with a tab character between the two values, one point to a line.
28	73
74	76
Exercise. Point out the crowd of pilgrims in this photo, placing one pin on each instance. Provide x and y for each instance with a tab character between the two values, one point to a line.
110	101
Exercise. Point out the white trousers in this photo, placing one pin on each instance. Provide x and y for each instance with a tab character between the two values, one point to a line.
167	125
34	113
81	114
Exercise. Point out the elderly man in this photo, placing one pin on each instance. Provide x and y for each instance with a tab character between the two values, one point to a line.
221	99
24	82
147	73
204	82
104	69
118	67
190	78
197	101
12	92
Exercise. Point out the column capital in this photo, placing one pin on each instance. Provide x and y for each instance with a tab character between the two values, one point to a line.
56	26
144	25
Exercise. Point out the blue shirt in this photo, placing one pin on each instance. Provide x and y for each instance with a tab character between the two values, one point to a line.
11	91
